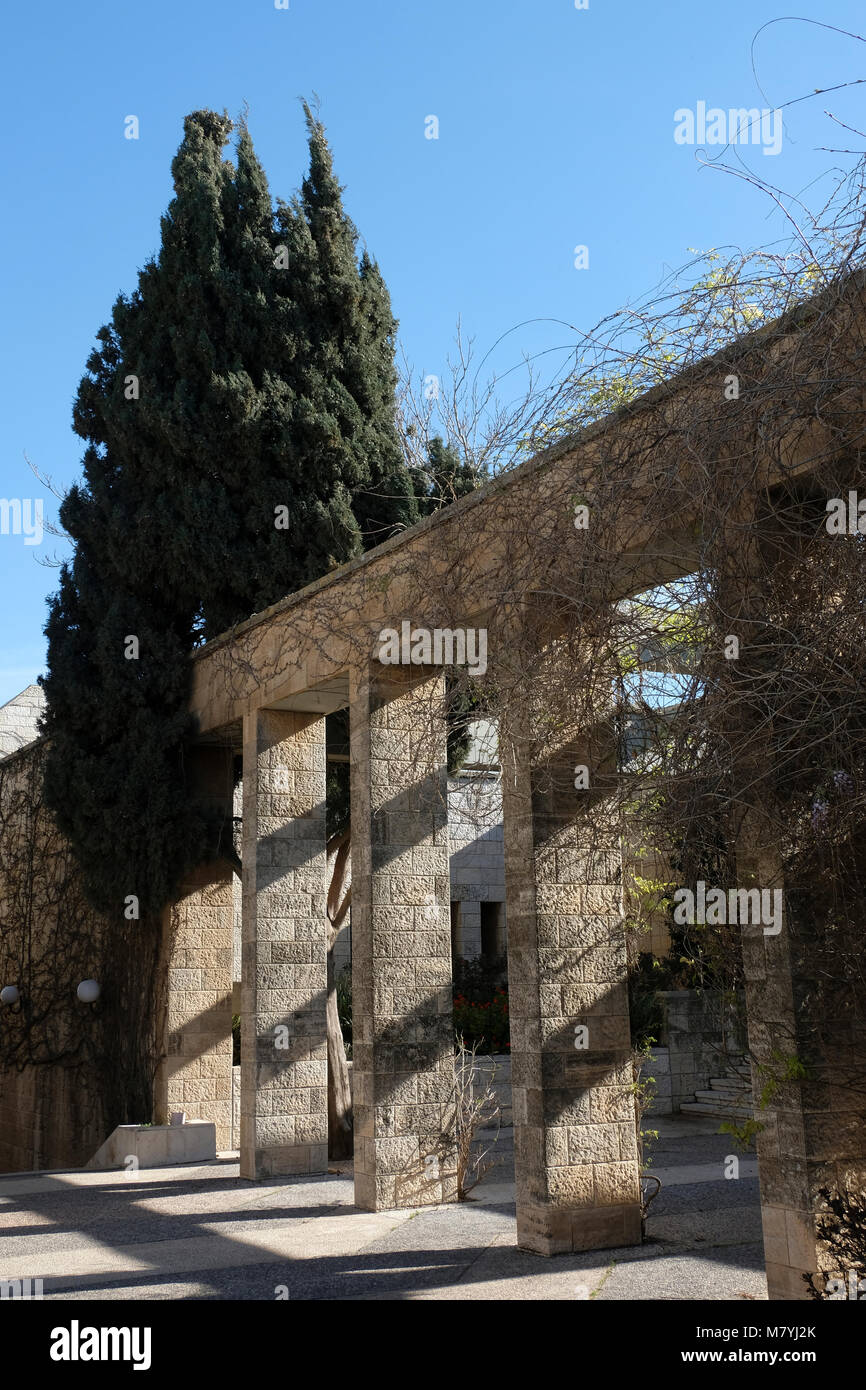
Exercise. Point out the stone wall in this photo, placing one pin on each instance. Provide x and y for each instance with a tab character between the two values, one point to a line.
49	1118
701	1035
19	719
51	1115
477	854
659	1068
55	1115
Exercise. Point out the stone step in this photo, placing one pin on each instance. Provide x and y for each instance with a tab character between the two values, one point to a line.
718	1109
724	1097
737	1087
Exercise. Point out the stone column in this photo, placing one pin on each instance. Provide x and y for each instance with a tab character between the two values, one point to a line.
574	1118
804	992
403	1041
786	1216
813	1124
196	1073
284	1066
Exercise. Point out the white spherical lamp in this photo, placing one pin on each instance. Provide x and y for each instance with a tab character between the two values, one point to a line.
9	994
88	991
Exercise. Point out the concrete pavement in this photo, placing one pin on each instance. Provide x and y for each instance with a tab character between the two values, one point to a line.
200	1232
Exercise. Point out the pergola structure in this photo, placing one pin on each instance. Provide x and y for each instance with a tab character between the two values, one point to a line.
267	686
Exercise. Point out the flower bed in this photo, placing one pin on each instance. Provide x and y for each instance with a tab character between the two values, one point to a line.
483	1022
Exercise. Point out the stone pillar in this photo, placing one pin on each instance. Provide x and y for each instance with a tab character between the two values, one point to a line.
813	1125
196	1073
804	992
786	1216
284	1066
403	1042
574	1119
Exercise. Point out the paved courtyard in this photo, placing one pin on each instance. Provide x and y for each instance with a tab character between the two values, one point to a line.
201	1232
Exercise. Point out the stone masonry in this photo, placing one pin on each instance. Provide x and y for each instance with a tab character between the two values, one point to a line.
574	1119
19	719
195	1076
401	941
284	1066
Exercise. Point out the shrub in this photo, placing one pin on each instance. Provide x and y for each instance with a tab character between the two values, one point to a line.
483	1024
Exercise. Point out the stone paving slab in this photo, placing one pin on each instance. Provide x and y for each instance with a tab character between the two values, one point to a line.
201	1232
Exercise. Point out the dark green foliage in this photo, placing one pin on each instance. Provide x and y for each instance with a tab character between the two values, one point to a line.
446	478
344	1007
115	768
236	379
337	809
481	1003
646	1007
466	701
345	430
703	957
476	978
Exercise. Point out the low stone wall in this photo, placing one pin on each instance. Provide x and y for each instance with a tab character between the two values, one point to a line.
658	1066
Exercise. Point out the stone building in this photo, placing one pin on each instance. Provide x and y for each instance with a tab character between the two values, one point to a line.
19	719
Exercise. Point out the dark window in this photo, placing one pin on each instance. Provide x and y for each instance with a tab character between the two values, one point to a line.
492	930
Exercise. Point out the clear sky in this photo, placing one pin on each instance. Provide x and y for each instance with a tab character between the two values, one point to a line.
556	129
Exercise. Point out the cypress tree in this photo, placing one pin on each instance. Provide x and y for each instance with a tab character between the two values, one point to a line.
346	427
446	477
248	379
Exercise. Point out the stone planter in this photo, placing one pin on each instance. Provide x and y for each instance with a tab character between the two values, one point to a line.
156	1146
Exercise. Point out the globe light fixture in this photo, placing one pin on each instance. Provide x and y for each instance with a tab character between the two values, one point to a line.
9	994
88	991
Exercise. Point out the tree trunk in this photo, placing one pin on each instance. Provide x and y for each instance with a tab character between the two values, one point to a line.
340	1123
340	1136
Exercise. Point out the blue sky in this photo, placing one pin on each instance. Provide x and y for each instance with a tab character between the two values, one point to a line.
555	129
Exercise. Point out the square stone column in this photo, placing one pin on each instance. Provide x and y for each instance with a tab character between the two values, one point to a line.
284	1063
195	1074
804	988
403	1040
574	1118
813	1126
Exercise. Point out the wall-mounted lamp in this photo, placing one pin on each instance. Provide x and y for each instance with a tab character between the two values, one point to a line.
9	994
88	991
